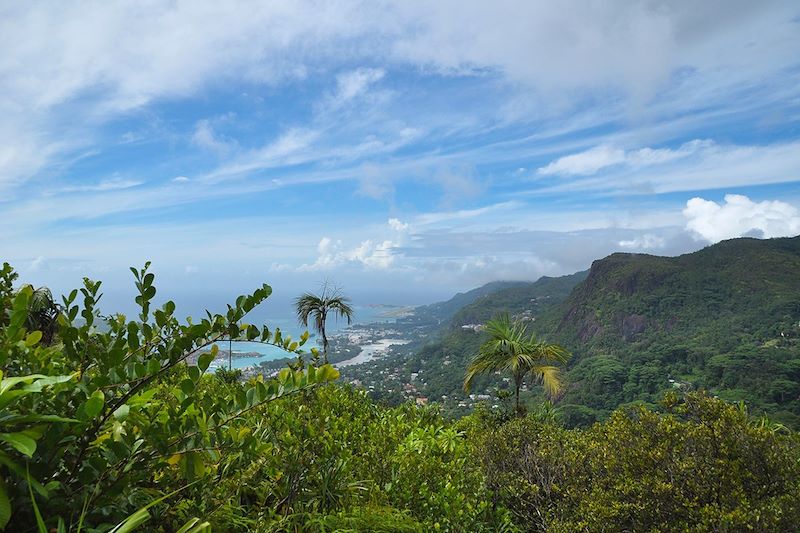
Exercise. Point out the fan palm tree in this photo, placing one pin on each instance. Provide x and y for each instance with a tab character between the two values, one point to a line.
511	348
318	306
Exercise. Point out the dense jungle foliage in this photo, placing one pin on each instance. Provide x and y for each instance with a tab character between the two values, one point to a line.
106	428
725	319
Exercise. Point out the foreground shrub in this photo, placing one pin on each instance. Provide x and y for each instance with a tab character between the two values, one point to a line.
701	465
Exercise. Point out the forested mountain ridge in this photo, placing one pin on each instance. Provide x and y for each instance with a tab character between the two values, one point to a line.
752	285
530	298
443	312
725	318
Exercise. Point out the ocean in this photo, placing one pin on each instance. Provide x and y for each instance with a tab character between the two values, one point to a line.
290	326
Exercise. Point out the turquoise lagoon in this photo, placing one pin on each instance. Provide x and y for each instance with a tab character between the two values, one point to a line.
364	315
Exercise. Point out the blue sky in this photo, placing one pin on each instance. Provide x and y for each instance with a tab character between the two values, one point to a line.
404	150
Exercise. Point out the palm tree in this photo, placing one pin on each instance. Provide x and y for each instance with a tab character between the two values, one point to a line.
330	300
511	348
43	313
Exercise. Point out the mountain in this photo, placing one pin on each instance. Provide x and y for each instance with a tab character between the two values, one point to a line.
529	299
442	312
440	364
725	318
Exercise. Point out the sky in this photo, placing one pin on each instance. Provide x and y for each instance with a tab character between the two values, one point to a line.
403	151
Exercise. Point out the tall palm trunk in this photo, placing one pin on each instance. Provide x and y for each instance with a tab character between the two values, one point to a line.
518	377
324	347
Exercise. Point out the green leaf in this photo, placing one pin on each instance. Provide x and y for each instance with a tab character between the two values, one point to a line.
192	465
21	419
187	386
153	366
204	360
132	522
7	383
46	381
122	412
5	505
5	459
39	521
33	338
143	515
94	404
20	442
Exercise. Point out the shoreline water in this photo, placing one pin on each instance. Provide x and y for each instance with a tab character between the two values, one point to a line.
372	351
248	356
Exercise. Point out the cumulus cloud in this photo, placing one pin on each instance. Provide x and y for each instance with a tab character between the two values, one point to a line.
739	216
397	225
378	255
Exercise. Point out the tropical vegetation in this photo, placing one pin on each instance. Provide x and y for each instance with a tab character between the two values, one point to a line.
319	306
511	348
725	319
117	424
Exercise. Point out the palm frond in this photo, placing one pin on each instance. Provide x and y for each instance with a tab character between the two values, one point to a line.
550	378
510	348
341	306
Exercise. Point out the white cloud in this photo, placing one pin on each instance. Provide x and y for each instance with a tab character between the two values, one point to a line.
585	163
444	216
373	183
97	60
601	157
695	166
739	216
291	147
181	179
353	84
397	225
370	254
645	242
113	184
205	137
37	264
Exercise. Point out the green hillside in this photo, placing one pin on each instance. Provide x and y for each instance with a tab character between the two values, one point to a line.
528	299
443	361
442	312
725	318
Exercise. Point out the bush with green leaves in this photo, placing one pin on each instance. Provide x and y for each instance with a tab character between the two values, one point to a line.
699	465
111	416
